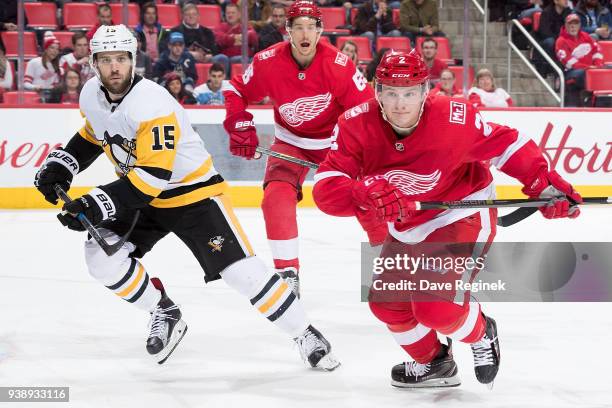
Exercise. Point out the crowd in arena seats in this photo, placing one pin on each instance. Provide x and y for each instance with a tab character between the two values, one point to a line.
194	38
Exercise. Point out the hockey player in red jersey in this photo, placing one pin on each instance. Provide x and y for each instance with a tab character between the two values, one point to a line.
309	83
403	147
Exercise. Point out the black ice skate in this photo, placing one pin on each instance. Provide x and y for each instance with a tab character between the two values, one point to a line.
441	372
316	350
486	354
167	328
291	276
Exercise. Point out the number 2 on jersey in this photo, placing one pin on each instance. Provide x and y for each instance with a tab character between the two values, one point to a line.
168	135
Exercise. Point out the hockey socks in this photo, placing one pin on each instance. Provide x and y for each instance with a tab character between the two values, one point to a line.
123	275
268	293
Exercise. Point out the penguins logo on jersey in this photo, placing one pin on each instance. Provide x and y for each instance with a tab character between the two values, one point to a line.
122	150
216	243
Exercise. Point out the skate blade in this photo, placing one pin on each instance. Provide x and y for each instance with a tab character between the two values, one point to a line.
180	329
490	385
453	381
328	362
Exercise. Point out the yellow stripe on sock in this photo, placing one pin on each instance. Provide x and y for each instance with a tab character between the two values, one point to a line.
275	296
134	283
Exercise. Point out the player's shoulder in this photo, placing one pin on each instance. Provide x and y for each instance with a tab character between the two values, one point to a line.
148	100
89	94
271	54
449	109
359	115
334	58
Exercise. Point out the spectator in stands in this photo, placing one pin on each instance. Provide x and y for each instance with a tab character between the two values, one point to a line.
43	74
551	21
260	13
155	37
350	49
229	35
6	72
418	18
105	17
8	15
178	60
144	66
446	85
484	93
533	7
576	51
71	87
594	19
209	93
173	83
275	31
78	59
375	19
429	49
199	40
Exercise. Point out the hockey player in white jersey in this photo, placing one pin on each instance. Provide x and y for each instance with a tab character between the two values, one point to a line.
166	173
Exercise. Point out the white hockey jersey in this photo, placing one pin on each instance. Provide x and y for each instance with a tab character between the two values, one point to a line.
149	139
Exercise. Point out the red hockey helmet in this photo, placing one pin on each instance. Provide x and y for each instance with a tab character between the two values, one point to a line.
398	68
303	8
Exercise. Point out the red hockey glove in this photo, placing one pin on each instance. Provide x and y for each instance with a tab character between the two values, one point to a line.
376	229
376	193
550	185
243	137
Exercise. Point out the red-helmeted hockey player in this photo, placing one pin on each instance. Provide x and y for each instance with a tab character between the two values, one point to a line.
403	147
310	84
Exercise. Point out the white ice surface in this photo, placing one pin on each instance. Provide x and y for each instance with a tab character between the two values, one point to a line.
59	327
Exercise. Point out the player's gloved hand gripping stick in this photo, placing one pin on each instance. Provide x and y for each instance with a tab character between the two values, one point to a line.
109	249
526	206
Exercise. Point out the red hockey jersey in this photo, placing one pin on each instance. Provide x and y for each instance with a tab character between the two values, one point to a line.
577	52
306	102
441	160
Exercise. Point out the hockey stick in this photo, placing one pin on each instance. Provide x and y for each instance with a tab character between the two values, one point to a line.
286	157
108	249
527	206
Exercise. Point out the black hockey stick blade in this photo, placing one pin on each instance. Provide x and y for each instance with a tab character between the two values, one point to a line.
109	249
516	216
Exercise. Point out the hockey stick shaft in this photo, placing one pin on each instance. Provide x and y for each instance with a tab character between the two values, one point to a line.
286	157
519	202
109	249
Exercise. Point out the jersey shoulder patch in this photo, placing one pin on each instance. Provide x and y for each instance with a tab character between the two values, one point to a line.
356	111
341	59
265	54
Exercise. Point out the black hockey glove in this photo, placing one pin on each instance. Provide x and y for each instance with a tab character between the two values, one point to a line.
59	168
97	206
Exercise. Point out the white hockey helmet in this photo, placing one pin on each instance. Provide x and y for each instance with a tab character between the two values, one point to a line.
112	38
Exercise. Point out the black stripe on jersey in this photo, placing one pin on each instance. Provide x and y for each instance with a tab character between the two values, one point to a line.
266	288
140	291
175	192
279	312
124	192
125	277
162	174
83	150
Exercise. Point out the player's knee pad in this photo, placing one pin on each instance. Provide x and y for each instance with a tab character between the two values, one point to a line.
278	193
247	276
437	315
107	269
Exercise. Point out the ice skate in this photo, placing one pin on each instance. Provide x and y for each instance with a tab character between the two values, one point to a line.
440	372
316	350
486	354
166	328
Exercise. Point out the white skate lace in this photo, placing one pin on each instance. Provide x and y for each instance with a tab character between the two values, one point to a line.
416	369
483	352
158	318
308	342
